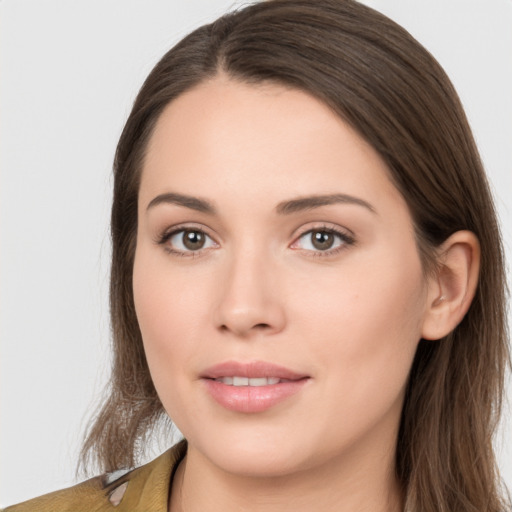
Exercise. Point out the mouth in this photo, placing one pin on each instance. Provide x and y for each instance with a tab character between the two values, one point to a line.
250	381
253	373
251	387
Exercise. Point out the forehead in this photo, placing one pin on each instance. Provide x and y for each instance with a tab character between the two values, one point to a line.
257	143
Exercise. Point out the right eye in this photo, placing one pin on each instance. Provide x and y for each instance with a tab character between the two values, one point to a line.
187	241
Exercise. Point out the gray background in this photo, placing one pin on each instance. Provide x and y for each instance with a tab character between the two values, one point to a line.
69	73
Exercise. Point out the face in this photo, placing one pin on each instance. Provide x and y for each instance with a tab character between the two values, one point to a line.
277	281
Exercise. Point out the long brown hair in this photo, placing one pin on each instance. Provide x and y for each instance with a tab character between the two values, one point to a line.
378	79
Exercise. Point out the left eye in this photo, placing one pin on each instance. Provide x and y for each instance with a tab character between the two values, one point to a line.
321	240
187	240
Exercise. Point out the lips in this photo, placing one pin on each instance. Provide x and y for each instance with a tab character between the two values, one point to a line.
251	387
252	370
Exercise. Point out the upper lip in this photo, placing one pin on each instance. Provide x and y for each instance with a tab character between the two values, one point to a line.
253	369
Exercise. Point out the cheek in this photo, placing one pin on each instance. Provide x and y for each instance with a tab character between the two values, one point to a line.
386	297
367	323
167	311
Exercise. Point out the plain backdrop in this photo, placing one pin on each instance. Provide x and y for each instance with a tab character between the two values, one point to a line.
70	71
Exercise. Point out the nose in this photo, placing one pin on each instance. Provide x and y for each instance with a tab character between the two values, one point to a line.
250	300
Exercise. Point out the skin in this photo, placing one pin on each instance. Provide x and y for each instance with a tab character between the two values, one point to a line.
259	289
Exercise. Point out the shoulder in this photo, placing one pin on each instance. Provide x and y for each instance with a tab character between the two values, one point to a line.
142	489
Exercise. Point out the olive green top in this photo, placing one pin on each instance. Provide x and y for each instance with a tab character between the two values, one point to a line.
144	489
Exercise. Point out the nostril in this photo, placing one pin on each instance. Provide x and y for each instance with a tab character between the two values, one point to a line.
242	319
244	330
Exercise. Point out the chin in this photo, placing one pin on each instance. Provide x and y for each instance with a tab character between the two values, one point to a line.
262	454
256	462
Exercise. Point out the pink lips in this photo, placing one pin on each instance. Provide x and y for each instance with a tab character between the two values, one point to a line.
251	398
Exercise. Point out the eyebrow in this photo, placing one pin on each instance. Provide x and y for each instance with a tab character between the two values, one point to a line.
194	203
284	208
311	202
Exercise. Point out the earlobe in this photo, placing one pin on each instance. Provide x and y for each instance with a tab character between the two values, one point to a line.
453	287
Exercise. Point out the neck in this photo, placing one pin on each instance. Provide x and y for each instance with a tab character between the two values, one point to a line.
362	482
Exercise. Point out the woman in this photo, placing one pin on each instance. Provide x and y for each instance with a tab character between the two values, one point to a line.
307	277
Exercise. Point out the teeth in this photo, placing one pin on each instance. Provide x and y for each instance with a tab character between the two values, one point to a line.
245	381
240	381
258	382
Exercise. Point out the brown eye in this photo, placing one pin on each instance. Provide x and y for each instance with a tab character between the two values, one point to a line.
322	240
188	240
193	240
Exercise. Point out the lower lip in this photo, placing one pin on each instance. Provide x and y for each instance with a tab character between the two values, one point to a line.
251	399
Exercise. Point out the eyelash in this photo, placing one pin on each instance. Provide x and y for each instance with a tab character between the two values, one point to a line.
164	238
345	238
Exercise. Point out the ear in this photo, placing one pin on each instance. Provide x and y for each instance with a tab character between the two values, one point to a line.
452	288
